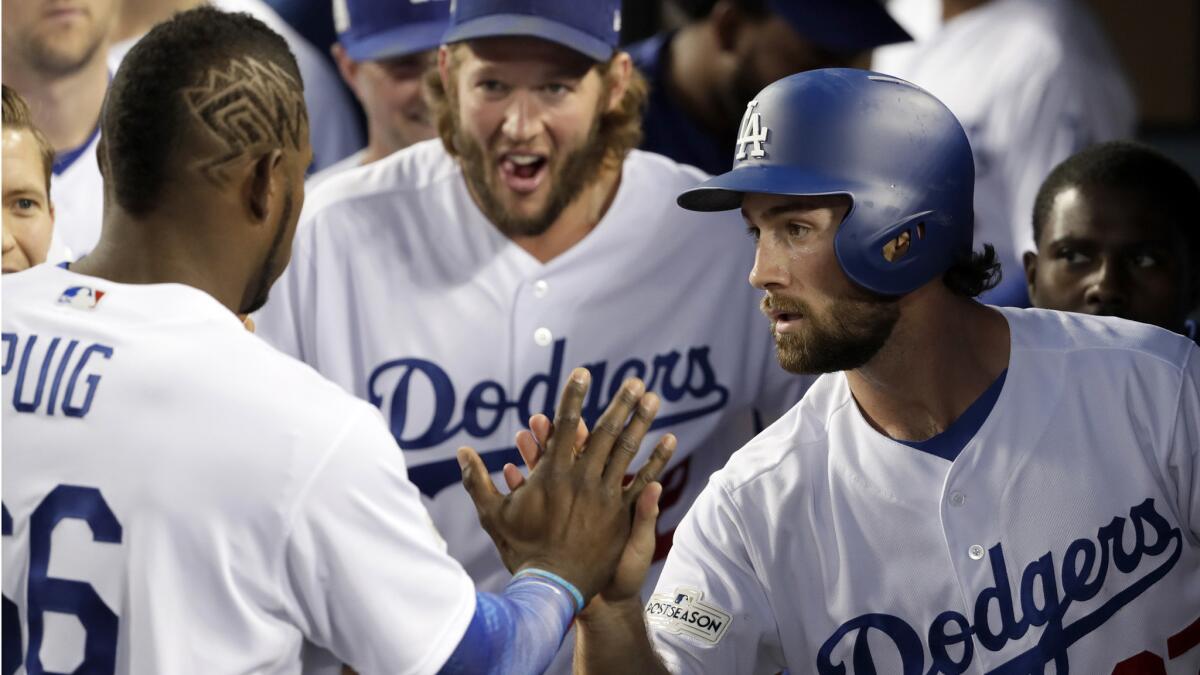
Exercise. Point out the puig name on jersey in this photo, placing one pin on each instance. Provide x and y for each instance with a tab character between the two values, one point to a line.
686	380
53	375
1045	599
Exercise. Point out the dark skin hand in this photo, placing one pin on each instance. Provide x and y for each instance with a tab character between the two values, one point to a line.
571	516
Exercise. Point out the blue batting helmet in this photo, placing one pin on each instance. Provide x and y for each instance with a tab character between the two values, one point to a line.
896	151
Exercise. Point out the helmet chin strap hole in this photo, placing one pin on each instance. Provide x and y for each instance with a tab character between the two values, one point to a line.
898	248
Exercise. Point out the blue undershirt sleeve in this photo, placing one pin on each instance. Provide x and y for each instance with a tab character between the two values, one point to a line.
518	631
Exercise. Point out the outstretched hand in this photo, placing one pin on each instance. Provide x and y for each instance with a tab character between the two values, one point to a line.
571	516
638	553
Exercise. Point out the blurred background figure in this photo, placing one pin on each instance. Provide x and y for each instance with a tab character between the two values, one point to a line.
54	56
383	51
1118	233
335	125
703	75
1032	81
28	213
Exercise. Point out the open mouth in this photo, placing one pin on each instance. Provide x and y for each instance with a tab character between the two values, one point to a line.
523	172
783	322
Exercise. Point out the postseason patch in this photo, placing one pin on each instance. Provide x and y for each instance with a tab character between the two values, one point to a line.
686	613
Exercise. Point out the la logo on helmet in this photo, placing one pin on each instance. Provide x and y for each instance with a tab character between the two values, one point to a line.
753	134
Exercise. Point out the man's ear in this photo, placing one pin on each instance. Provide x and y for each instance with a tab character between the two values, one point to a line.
443	66
726	21
620	73
1030	259
347	67
265	178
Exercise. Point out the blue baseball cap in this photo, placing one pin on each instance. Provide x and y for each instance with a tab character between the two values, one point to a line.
370	30
846	26
592	27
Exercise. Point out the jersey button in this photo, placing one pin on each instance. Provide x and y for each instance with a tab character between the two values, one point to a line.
976	552
543	337
540	288
957	499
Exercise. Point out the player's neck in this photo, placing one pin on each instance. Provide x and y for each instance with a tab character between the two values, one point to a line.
162	249
67	108
578	219
943	354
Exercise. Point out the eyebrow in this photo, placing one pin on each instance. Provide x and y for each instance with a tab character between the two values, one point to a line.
15	189
781	209
1084	241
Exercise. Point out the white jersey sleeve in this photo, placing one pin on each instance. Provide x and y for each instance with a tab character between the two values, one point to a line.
1183	452
362	555
710	612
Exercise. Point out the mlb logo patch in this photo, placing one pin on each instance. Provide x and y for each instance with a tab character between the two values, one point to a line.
81	297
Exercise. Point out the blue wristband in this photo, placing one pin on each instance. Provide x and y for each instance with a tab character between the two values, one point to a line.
568	586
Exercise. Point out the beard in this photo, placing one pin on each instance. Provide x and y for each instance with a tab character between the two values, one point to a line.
845	338
569	174
55	57
271	267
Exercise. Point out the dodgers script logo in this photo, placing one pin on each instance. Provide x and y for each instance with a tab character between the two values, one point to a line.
400	389
1052	598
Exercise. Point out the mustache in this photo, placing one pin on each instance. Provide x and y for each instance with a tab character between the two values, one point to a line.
779	303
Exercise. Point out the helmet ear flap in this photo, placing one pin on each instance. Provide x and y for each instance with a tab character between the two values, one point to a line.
901	257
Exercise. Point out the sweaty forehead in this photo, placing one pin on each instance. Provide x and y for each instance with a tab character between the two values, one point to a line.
1106	215
22	162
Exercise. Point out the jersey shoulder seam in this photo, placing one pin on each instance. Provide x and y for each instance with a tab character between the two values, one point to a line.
731	487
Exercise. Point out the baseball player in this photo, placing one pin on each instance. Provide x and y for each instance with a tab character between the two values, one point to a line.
179	497
966	489
451	284
1116	234
29	237
54	58
384	51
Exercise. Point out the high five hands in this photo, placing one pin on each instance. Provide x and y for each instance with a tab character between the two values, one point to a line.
571	516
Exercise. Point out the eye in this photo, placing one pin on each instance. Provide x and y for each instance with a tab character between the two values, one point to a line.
493	87
26	204
796	229
556	89
1146	260
1072	256
753	232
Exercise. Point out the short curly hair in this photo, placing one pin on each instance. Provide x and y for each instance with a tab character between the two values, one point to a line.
147	113
1134	169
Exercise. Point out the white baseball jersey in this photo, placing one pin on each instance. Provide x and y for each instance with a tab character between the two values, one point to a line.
1066	533
334	129
78	197
179	497
402	291
1033	82
353	161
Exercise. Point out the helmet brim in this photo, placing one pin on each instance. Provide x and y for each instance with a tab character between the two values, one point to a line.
725	192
